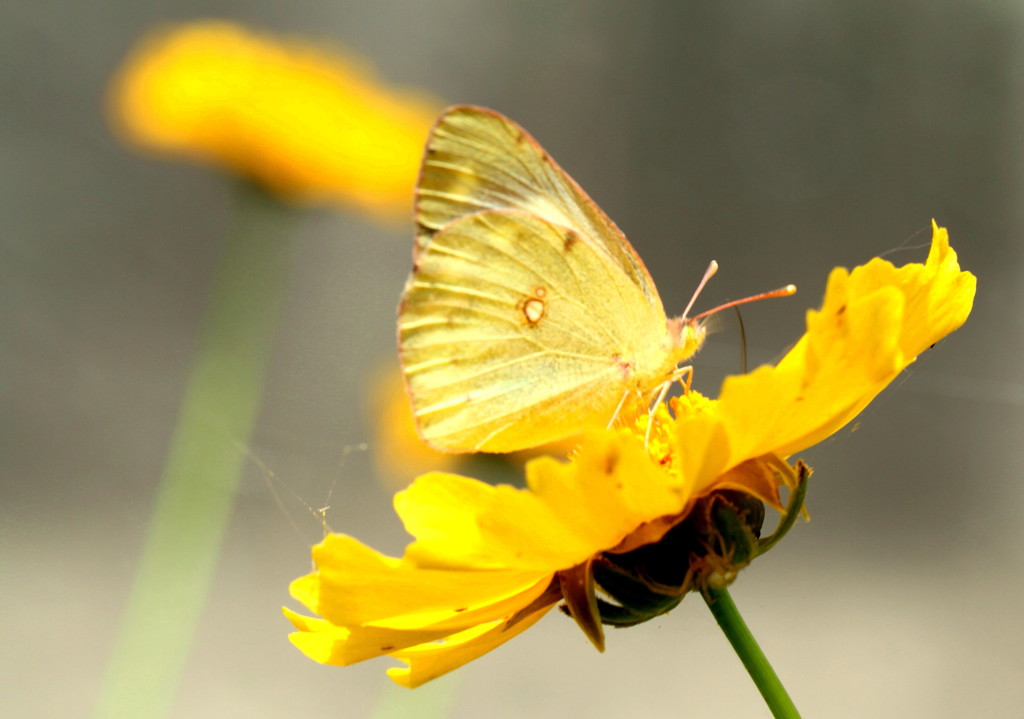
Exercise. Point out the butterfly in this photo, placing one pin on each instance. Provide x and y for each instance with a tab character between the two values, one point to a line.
528	317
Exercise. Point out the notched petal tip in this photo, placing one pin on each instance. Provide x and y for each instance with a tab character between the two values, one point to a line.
429	661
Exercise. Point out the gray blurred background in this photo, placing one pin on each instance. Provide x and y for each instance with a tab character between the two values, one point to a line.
781	139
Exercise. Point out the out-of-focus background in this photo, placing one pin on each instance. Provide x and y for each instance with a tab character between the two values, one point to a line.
781	139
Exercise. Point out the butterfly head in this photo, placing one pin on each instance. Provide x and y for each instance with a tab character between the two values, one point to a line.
687	335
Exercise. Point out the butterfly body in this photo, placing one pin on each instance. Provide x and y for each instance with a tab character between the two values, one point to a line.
528	317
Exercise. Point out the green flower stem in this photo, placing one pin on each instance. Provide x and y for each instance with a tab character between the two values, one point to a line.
736	630
208	450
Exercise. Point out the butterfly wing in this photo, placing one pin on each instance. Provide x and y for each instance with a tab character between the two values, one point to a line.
477	159
515	332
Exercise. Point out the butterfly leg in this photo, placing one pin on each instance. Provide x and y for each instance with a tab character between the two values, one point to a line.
662	391
681	372
618	409
678	374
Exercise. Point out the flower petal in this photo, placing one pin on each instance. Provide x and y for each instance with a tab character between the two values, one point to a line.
702	447
571	511
429	661
328	643
356	586
873	323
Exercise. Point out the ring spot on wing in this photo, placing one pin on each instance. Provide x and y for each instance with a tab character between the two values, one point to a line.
534	308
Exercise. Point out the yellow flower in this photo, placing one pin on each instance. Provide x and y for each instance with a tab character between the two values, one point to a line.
311	125
638	522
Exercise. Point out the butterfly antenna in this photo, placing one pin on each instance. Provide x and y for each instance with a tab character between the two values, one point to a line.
781	292
708	274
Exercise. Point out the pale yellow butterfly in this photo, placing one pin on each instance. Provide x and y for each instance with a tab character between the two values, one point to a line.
528	316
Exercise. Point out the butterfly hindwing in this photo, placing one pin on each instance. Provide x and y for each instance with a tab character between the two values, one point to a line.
515	332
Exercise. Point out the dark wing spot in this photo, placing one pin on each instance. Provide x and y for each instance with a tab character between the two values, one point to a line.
571	238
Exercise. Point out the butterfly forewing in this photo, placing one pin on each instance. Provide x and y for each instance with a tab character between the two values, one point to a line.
477	159
515	332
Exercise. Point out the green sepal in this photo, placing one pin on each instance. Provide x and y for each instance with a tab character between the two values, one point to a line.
794	507
616	615
636	599
577	588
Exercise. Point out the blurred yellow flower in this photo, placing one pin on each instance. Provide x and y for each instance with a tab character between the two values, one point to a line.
398	450
640	522
311	125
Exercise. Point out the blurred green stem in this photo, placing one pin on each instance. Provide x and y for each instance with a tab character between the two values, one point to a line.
767	681
197	489
395	702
